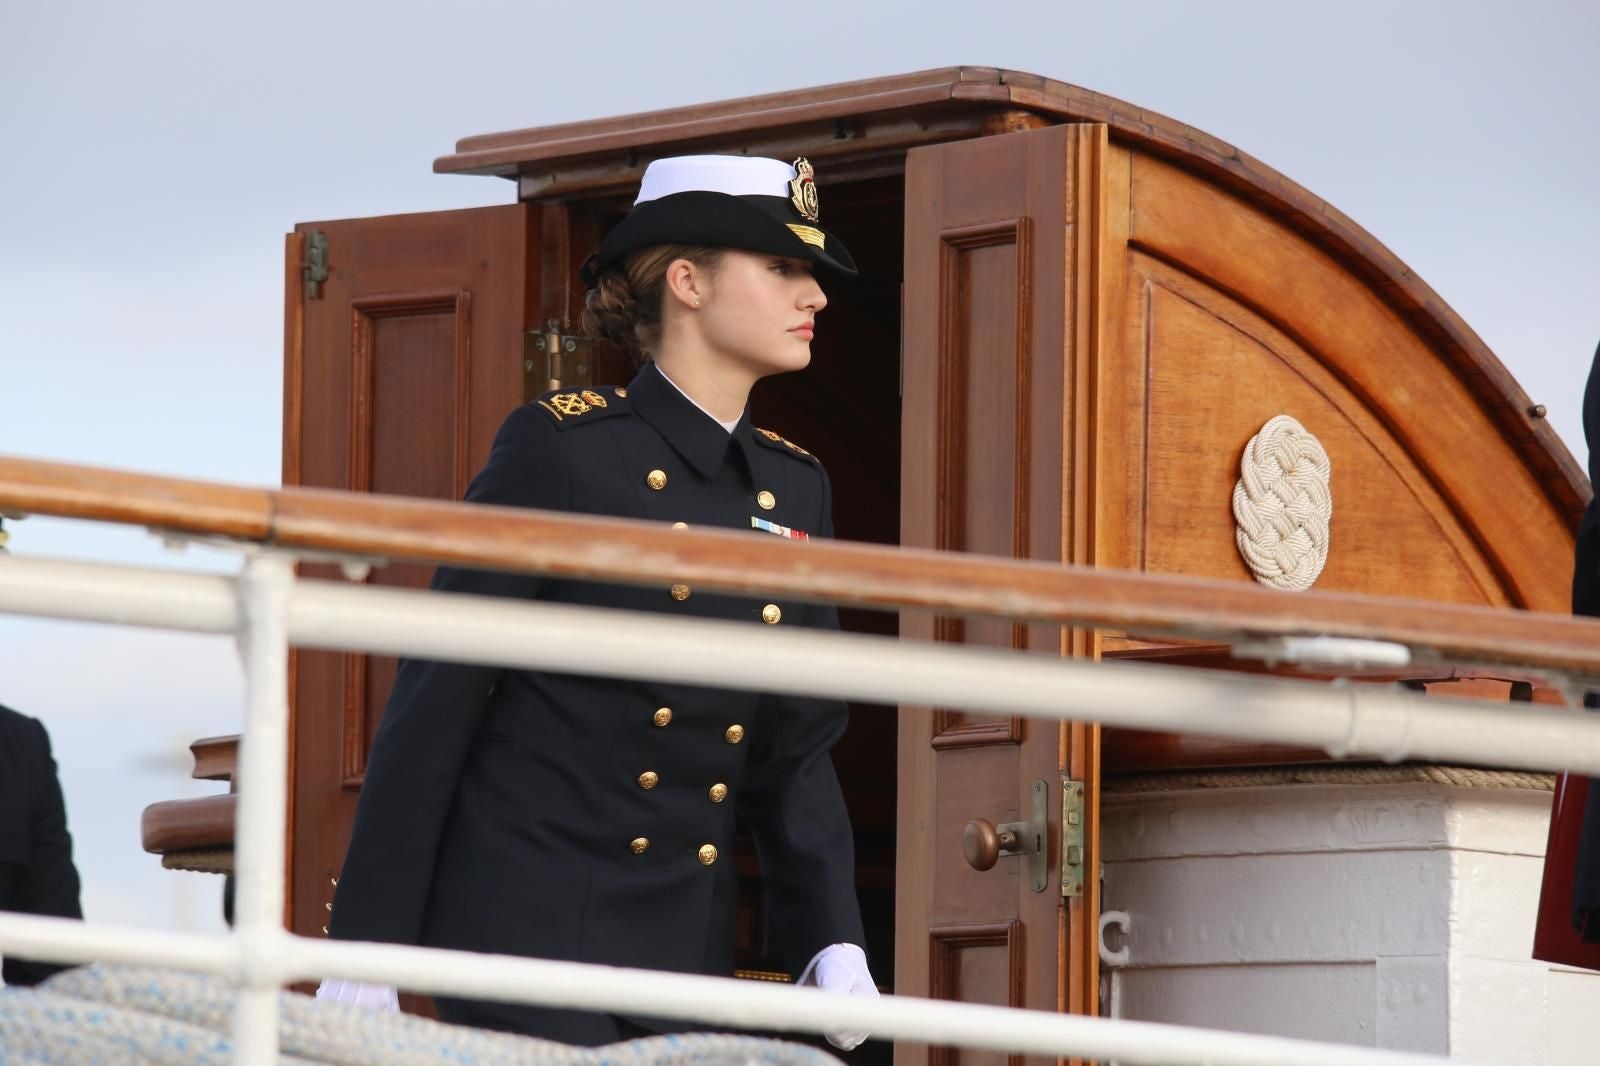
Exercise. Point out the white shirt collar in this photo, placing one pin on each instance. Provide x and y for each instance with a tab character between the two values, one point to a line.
729	426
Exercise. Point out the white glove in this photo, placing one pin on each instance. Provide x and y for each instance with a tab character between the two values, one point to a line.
381	998
841	968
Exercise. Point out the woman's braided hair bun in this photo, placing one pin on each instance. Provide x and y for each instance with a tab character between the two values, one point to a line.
624	307
611	312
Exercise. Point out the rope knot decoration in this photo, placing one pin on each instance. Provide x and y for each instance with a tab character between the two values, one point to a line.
1283	505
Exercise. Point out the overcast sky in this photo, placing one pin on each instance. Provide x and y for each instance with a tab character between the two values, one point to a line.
154	155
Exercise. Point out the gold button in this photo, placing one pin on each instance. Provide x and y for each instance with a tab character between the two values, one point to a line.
639	844
766	499
662	716
622	392
734	734
771	614
718	792
708	854
656	479
648	779
680	525
680	592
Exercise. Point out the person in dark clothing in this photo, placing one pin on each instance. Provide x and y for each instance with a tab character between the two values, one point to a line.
1586	601
564	816
36	871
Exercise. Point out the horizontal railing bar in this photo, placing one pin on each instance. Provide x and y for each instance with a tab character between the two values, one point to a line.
281	958
1373	720
752	1004
649	553
33	936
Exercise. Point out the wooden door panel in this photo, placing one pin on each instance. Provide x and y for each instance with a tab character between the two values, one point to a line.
1217	372
399	372
999	347
982	456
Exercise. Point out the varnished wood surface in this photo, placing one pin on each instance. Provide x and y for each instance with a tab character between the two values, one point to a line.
178	825
215	758
995	250
513	151
859	574
882	118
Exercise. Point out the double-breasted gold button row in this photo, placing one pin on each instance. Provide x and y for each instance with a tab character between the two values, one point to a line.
657	480
716	793
663	718
707	853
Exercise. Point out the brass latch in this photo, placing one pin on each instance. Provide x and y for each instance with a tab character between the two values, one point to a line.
552	359
1072	819
984	843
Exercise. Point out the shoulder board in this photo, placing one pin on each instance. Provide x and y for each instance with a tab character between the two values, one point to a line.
568	407
780	443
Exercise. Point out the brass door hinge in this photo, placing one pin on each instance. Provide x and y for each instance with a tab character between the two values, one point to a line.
314	264
552	359
1073	816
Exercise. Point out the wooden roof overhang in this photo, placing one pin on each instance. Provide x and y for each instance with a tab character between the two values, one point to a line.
864	128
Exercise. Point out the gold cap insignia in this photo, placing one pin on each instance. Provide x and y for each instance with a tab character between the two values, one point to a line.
803	189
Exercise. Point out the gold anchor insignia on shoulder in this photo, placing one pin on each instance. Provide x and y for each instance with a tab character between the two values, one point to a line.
594	399
803	189
568	403
777	438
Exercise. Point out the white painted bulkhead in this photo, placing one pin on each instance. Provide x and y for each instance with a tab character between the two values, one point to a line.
1394	915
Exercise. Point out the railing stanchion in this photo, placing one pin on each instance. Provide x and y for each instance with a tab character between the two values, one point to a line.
265	585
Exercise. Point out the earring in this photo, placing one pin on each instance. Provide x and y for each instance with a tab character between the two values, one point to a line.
697	303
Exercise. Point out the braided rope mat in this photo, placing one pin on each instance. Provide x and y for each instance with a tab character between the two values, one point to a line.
200	860
1283	505
1454	776
151	1017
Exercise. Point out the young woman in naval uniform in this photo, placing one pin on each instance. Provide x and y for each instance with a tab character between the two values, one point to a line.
585	818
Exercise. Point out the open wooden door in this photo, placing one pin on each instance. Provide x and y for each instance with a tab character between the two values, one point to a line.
401	362
1000	342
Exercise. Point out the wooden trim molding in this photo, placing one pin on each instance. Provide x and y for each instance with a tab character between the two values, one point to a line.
945	945
954	365
364	313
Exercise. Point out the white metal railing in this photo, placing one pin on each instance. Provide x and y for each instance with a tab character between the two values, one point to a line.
269	609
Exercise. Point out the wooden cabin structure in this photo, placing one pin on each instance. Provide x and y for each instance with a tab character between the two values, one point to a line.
1072	315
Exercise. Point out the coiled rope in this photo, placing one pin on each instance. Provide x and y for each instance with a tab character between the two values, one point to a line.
154	1017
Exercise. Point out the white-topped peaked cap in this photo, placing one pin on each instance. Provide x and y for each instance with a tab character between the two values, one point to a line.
724	201
734	175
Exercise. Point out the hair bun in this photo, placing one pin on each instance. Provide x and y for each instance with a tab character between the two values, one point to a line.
611	312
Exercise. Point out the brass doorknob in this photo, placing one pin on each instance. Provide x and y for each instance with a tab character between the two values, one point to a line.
982	843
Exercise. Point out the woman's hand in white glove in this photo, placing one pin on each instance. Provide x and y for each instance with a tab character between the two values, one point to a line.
382	998
842	968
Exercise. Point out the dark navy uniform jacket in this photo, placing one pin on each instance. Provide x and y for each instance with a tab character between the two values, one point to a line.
1586	601
586	818
36	871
